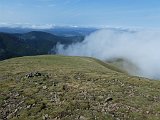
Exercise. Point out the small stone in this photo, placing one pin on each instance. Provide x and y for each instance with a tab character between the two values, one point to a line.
45	117
65	87
122	85
16	110
109	99
16	95
37	74
29	106
29	75
82	118
45	87
54	83
34	104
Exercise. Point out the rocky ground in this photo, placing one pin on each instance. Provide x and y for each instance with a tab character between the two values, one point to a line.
74	88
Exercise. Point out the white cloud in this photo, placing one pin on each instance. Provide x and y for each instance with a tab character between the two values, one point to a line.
27	25
139	47
45	26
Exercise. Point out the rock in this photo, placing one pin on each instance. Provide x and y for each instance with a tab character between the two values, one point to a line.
15	110
54	84
65	88
29	106
82	118
37	74
34	104
147	112
45	117
109	99
16	95
45	87
29	75
34	74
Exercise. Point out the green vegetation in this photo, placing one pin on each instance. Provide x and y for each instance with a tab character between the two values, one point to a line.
32	43
60	87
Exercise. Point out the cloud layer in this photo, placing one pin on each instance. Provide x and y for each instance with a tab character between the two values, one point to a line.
139	47
27	25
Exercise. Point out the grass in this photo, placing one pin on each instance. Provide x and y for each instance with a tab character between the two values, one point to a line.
74	88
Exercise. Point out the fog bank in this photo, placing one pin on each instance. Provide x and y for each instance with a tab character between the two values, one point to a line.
140	47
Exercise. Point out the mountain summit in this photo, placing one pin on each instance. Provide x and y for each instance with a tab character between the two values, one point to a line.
61	87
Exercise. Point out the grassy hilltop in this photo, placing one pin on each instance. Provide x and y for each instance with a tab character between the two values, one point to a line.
70	88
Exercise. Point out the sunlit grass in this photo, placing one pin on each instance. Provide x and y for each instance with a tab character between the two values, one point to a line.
74	88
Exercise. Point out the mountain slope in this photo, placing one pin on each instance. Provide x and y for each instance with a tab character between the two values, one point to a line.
60	87
11	46
125	65
32	43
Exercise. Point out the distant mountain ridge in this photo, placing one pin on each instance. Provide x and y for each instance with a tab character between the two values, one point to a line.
31	43
60	31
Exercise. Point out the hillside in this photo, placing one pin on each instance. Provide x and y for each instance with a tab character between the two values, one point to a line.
68	88
32	43
125	65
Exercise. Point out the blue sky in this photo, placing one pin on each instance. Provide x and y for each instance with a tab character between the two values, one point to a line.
112	13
